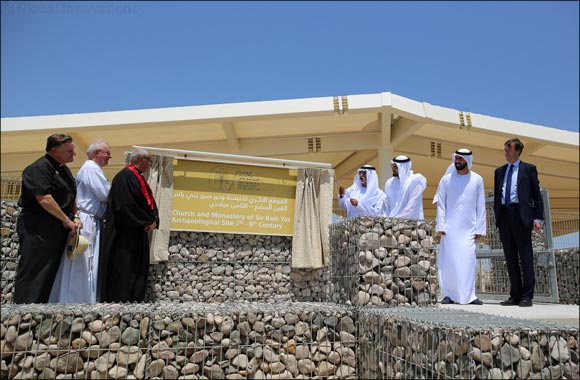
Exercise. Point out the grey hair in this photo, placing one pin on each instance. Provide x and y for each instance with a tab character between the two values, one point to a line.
94	146
137	154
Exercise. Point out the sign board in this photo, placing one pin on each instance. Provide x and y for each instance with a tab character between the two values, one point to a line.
232	198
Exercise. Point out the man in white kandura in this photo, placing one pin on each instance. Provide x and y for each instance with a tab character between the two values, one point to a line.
404	191
460	202
76	281
363	198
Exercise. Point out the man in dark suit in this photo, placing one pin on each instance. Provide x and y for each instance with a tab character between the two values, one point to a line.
518	209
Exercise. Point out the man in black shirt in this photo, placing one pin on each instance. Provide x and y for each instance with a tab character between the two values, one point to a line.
48	202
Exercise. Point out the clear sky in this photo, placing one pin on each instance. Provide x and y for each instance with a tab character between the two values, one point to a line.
514	60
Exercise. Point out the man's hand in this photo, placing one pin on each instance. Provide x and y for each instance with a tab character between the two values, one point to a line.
78	223
75	226
477	237
69	225
353	202
151	227
441	233
537	226
341	191
48	203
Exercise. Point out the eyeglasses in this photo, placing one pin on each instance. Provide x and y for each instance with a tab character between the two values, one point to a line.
147	158
107	152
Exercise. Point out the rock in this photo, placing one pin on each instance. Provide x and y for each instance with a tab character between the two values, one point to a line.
23	342
523	369
306	367
402	261
69	363
130	336
118	372
156	367
240	361
509	355
170	373
199	356
559	351
369	241
140	367
128	355
483	342
325	369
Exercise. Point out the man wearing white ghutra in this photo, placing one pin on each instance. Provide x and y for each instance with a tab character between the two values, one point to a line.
404	191
460	199
363	198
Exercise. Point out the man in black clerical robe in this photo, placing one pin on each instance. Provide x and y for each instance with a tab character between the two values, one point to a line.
131	215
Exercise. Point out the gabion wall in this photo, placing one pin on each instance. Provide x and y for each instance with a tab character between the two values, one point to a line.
568	273
430	343
248	330
277	341
9	255
204	267
178	340
189	276
493	275
383	261
210	267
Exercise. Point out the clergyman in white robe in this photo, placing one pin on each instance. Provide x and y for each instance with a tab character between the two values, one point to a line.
404	192
76	280
369	199
461	220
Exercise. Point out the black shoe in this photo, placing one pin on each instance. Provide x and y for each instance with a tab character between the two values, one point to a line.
525	303
476	301
509	302
446	301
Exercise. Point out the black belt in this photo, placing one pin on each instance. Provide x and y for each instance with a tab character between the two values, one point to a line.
511	205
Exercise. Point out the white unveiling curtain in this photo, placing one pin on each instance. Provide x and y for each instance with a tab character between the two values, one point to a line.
161	182
312	216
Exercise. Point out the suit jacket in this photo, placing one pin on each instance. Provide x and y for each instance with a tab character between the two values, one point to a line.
531	205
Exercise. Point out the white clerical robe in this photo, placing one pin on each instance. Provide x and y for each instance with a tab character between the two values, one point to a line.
461	215
405	200
76	280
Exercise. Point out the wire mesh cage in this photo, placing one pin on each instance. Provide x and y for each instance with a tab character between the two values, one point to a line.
492	278
542	239
184	340
383	261
430	343
209	267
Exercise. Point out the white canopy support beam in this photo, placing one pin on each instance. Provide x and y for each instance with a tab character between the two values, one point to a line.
234	158
385	151
230	133
532	147
403	129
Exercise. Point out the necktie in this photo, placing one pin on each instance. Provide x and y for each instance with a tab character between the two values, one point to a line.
508	186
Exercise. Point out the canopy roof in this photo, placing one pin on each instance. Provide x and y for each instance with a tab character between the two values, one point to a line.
345	131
